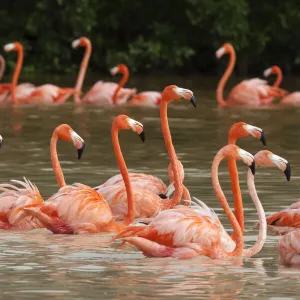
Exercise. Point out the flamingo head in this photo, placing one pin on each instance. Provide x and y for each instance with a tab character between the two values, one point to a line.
121	68
224	49
236	153
269	159
83	41
173	92
271	70
242	129
124	122
15	46
66	133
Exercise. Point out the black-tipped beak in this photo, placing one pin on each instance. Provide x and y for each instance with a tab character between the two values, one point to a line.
193	101
142	136
263	138
80	151
252	167
287	172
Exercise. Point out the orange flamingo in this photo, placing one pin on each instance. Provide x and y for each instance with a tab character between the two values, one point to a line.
252	92
150	98
290	99
187	232
146	181
18	92
148	205
15	201
77	208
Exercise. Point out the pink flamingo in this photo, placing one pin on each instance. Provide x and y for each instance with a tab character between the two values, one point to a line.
184	232
290	99
18	92
251	92
150	204
78	208
150	98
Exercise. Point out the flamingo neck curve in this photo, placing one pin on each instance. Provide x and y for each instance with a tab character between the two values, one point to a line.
278	80
124	173
238	250
122	82
55	162
82	70
16	74
226	75
262	234
172	155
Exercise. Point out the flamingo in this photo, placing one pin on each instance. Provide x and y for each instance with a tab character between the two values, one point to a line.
2	66
14	200
251	92
184	232
18	92
77	208
290	99
149	205
149	98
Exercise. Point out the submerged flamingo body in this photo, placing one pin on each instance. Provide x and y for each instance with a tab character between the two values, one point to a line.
150	99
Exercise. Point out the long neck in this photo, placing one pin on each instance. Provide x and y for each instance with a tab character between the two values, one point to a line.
124	173
278	78
262	234
17	74
55	162
120	85
82	71
222	199
235	186
172	155
224	79
2	66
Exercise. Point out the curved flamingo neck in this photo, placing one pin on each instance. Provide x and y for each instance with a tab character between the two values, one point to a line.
222	199
17	73
120	85
82	71
262	234
172	155
278	80
2	66
235	186
124	173
55	162
224	79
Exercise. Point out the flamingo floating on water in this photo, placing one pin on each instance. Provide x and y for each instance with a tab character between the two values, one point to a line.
146	189
184	232
290	99
77	208
252	92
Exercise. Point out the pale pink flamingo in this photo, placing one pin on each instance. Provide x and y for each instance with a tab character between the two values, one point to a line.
22	91
149	205
14	200
110	93
77	208
184	232
149	98
290	99
252	92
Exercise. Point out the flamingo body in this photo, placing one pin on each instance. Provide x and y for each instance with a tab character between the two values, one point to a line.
149	99
289	249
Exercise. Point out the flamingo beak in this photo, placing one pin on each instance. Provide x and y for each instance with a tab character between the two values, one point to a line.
80	151
252	167
142	136
263	138
287	172
193	101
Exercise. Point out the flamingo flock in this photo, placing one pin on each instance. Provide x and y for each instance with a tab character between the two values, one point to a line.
161	220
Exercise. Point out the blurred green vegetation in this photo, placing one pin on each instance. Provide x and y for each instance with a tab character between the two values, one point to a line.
153	35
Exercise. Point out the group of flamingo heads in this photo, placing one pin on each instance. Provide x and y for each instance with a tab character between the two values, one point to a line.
252	92
101	93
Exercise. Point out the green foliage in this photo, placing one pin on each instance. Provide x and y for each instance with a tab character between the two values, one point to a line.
151	35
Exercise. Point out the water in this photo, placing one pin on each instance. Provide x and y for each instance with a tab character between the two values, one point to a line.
38	264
